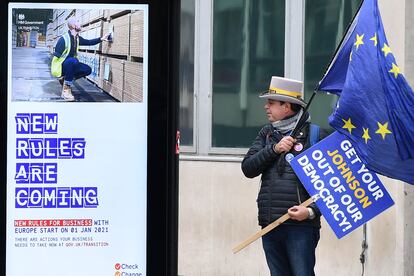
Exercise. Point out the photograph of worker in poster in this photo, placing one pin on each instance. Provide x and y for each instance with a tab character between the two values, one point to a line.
77	55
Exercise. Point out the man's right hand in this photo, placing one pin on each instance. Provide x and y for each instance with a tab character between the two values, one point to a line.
284	145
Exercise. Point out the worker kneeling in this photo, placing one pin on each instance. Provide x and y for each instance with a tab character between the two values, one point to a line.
65	64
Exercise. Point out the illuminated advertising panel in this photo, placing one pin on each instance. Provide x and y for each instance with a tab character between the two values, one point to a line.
77	139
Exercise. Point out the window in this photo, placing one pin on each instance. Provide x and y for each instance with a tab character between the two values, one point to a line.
325	24
229	51
186	81
248	48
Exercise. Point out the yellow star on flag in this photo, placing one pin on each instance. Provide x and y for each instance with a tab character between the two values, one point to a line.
374	38
366	135
383	130
359	40
386	49
395	70
348	125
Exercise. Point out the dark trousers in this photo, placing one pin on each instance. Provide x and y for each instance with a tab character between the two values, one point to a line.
73	69
290	250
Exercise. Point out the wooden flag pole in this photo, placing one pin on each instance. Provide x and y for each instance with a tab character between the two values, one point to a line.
268	228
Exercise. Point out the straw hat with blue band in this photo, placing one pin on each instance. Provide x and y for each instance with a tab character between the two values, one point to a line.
285	90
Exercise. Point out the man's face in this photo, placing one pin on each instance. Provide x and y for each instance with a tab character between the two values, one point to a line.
75	26
276	110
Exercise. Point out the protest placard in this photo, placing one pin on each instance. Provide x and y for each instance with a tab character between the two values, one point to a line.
349	193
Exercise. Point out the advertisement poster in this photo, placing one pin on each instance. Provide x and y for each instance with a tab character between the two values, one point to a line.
77	139
348	193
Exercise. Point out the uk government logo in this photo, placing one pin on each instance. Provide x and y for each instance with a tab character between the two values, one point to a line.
127	270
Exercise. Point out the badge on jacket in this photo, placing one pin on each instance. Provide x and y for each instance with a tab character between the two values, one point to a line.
298	147
289	157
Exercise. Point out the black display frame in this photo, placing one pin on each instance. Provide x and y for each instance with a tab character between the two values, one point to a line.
162	160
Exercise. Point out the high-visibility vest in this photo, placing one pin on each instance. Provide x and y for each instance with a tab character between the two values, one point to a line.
56	67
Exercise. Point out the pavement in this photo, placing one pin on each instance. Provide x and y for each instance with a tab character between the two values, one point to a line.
33	82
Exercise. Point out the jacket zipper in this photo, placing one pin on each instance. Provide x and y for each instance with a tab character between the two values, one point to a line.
297	192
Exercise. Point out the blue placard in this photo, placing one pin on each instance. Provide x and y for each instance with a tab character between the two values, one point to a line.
349	194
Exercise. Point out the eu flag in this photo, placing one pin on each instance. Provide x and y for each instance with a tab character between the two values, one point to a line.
376	105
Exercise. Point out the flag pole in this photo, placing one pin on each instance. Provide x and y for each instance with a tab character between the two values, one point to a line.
339	46
299	127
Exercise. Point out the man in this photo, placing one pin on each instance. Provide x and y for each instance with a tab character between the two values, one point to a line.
289	248
65	64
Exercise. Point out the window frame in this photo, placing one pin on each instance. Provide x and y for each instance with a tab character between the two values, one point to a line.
192	149
202	147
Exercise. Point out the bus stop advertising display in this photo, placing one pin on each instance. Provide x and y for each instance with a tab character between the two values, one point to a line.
77	168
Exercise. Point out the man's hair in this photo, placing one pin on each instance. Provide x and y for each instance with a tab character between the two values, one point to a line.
295	107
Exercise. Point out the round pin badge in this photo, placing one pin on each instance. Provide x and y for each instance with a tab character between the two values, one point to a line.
298	147
289	157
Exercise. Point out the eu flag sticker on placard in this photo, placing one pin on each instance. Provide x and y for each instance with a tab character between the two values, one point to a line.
348	193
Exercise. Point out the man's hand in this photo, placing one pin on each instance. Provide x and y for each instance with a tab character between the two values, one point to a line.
105	37
298	213
284	145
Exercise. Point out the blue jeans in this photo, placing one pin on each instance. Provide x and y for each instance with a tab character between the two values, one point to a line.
290	250
72	68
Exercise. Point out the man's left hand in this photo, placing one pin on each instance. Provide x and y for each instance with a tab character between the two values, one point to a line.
298	213
105	37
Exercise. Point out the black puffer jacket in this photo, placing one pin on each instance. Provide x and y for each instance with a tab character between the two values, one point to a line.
279	190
